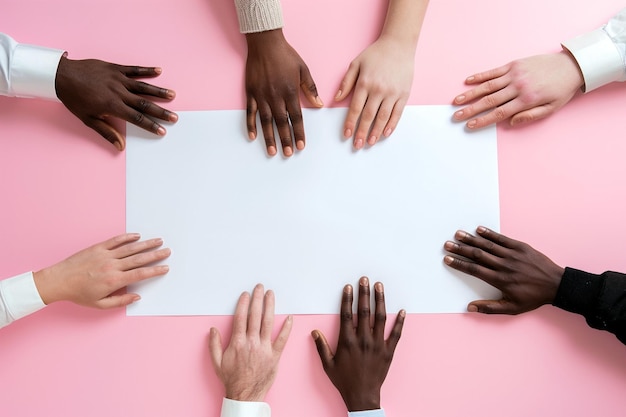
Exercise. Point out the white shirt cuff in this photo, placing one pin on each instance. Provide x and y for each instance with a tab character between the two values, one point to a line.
233	408
367	413
33	71
19	297
259	15
598	58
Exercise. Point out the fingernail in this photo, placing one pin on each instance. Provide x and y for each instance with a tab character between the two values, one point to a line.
300	145
460	98
271	150
347	133
170	94
251	135
402	313
287	151
460	235
358	143
173	117
348	289
319	101
458	114
338	94
470	79
472	308
387	132
164	268
364	281
158	70
378	287
448	259
471	123
448	245
481	229
372	140
157	241
315	335
136	298
161	131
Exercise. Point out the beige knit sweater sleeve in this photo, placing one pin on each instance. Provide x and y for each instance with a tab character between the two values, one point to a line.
259	15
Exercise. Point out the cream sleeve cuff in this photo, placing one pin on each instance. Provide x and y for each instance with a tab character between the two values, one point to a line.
233	408
259	15
598	58
18	298
367	413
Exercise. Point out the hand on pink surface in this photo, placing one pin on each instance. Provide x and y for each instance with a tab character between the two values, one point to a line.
94	277
275	74
526	277
248	366
361	361
95	91
523	91
381	90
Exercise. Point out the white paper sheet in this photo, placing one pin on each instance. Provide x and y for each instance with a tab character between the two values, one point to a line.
307	225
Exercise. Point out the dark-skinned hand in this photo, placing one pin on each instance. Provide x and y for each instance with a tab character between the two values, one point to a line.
361	361
526	277
275	74
96	91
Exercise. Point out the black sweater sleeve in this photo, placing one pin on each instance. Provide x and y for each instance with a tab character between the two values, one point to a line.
601	299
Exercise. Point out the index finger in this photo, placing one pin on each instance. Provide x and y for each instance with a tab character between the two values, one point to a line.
380	313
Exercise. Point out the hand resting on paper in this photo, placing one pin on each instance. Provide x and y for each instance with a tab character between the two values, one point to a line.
94	277
248	366
275	74
362	358
526	277
95	91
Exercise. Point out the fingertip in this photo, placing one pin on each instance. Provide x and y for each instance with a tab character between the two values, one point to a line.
318	101
358	143
287	151
378	287
173	117
136	297
402	313
315	334
471	124
157	70
170	94
364	281
161	131
459	99
300	145
472	308
448	260
347	289
481	229
388	132
271	151
338	95
470	79
119	145
347	133
252	135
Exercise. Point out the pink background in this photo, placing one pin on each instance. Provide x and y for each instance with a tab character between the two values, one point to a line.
62	187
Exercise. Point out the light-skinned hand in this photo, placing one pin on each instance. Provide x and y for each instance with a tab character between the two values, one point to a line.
361	361
275	75
95	91
523	91
94	277
381	90
248	366
526	277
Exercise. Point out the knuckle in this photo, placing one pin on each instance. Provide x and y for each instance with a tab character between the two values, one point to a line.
476	253
266	118
143	105
138	118
364	311
380	316
346	316
499	114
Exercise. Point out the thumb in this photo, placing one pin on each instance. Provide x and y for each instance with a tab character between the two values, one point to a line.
322	348
215	349
532	115
348	82
120	300
108	132
308	87
493	307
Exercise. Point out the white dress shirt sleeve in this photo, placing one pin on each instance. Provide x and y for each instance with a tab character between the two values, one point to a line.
259	15
27	70
601	54
18	298
233	408
367	413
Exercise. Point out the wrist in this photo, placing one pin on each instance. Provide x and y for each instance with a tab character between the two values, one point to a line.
46	286
362	401
259	40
